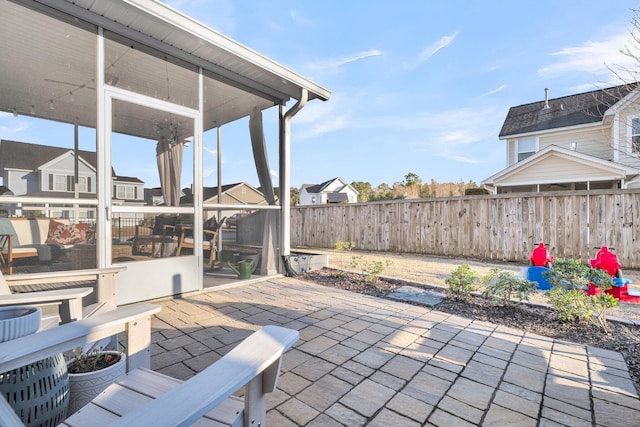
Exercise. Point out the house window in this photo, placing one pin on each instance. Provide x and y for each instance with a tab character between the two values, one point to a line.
635	136
526	148
125	192
61	183
82	184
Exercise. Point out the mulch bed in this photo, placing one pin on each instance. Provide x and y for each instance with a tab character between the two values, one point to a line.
622	338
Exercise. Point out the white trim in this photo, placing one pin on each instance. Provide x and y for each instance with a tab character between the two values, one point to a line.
629	133
615	168
615	132
585	126
536	148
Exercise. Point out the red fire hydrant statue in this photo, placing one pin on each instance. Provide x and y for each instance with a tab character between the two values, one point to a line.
540	257
608	261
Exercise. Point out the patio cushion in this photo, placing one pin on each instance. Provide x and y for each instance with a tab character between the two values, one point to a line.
66	234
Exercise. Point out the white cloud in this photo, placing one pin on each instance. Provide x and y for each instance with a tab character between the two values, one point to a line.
496	90
339	62
14	126
431	50
274	173
456	157
595	57
212	151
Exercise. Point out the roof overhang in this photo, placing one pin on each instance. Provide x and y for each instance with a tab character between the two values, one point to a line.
589	165
158	25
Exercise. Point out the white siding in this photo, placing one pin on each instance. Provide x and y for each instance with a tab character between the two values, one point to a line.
594	142
556	169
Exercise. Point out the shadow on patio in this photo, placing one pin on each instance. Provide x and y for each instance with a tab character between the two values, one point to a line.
369	361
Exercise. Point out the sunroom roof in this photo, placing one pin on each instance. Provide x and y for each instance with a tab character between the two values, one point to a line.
241	78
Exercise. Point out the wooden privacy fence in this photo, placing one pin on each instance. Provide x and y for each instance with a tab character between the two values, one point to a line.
496	227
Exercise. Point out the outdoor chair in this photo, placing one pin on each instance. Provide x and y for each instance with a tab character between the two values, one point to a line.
160	241
59	295
211	230
147	398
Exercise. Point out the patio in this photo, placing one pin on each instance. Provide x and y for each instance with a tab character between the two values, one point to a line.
368	361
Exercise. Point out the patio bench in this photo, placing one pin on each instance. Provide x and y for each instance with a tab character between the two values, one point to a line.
146	398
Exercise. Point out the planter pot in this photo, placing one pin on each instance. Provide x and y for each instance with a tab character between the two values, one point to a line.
18	321
85	387
38	392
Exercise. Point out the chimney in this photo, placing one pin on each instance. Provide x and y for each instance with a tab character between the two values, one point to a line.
546	98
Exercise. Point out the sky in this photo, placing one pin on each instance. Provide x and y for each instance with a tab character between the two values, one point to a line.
417	86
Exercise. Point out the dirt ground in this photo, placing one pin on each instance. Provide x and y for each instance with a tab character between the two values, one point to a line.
432	270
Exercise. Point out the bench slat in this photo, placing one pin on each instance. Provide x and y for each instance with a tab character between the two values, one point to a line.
187	402
155	384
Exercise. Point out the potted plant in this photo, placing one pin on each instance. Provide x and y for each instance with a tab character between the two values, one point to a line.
91	373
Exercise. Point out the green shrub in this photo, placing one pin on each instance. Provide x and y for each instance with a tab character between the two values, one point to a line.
569	279
370	269
568	274
344	246
462	282
570	305
502	286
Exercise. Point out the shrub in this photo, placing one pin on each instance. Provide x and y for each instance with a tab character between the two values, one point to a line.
344	246
462	282
502	286
370	269
569	278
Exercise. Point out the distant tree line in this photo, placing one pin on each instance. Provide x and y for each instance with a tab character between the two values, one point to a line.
411	187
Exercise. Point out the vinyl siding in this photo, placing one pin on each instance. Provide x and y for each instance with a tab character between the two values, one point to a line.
556	169
594	142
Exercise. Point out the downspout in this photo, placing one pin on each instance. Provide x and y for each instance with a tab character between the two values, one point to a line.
285	173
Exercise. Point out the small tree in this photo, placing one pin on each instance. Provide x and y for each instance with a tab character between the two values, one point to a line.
462	282
569	279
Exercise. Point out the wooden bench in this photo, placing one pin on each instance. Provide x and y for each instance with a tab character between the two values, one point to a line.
147	398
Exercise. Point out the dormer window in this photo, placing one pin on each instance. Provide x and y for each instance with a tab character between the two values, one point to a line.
526	147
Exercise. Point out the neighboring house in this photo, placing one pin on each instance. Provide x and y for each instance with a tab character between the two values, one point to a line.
40	170
239	193
579	142
333	191
153	196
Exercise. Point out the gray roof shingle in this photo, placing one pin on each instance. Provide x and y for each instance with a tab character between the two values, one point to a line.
572	110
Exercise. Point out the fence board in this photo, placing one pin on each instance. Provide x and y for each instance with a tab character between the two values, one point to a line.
502	227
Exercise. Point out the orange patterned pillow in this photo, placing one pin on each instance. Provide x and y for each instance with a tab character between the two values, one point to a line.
66	234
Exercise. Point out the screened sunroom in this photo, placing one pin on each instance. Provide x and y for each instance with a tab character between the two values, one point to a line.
131	100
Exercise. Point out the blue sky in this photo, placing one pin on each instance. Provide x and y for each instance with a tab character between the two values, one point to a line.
421	86
417	86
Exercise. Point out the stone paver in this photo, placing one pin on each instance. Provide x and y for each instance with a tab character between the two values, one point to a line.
362	361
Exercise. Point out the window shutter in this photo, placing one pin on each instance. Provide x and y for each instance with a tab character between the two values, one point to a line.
70	183
115	192
50	182
135	193
88	184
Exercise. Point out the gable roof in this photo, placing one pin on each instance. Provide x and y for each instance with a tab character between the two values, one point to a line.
25	156
566	111
319	188
211	192
590	165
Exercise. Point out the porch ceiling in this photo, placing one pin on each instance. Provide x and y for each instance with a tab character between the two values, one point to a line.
237	78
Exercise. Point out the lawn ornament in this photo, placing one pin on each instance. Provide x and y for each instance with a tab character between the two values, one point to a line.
608	261
540	257
541	261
